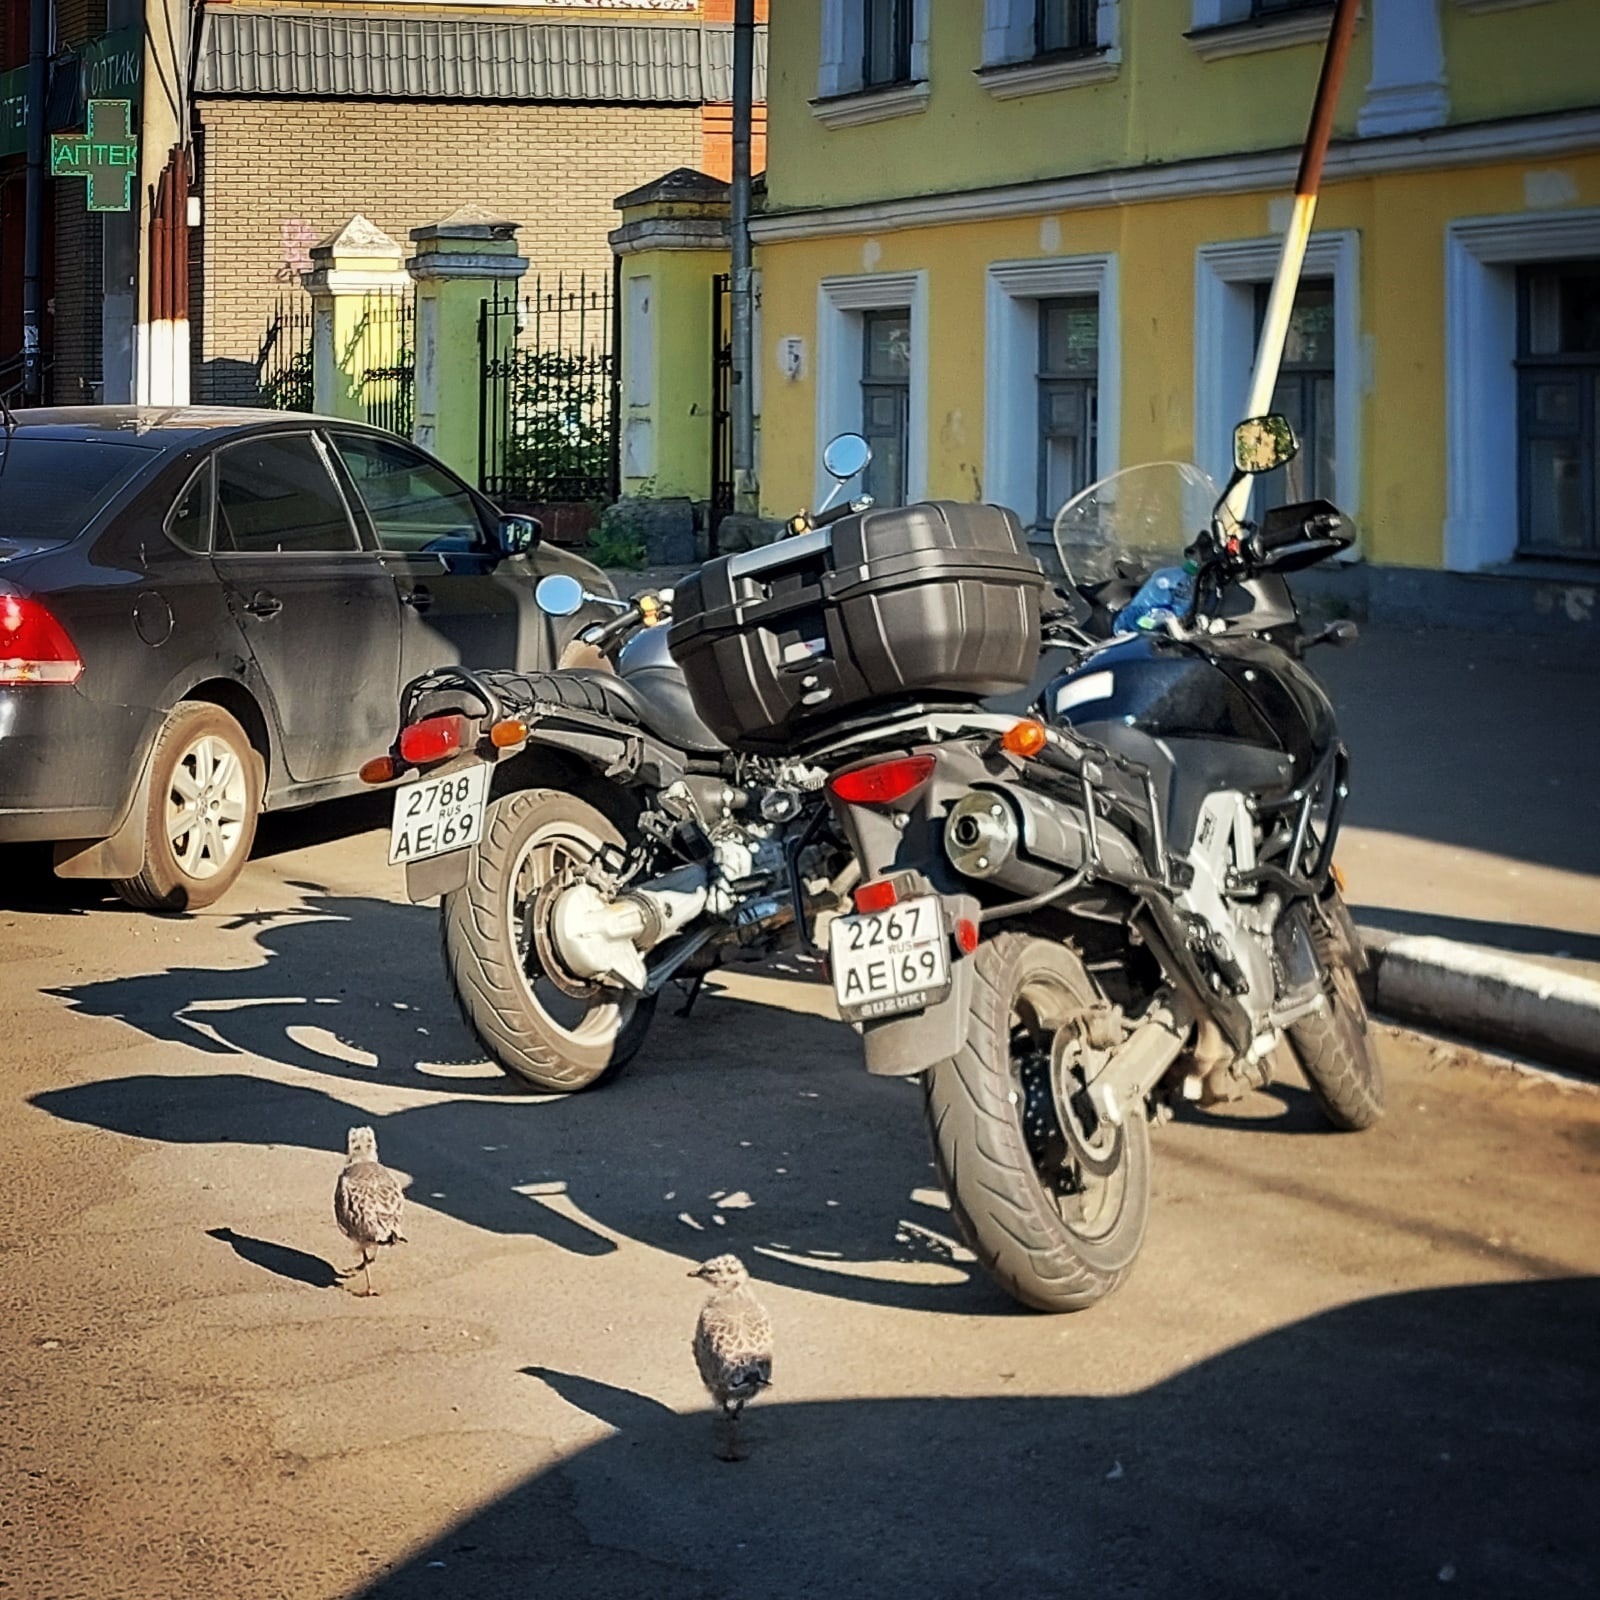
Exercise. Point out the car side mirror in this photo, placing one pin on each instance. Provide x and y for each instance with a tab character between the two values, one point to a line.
516	536
1263	444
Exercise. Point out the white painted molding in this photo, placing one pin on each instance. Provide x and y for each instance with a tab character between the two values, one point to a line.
437	266
872	105
1224	346
1042	77
1481	255
1011	361
840	301
1527	139
1407	89
1498	5
1233	33
1008	41
843	46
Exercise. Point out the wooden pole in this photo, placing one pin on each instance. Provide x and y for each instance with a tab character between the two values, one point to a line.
1280	302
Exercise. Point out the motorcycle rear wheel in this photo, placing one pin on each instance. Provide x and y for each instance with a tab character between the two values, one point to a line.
1053	1235
529	1025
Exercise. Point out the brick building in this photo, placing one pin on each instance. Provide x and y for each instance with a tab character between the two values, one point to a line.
305	115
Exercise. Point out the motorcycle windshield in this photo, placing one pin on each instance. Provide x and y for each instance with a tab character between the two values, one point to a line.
1142	516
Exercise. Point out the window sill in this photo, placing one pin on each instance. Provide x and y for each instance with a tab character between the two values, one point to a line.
1270	33
871	105
1497	5
1013	79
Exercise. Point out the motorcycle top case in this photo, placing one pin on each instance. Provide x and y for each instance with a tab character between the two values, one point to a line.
938	600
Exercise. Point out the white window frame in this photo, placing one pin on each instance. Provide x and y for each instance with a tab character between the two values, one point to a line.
1009	68
840	302
1226	276
1481	257
1221	28
1011	369
843	100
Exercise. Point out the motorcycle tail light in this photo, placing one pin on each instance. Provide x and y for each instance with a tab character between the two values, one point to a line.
966	936
883	783
433	740
34	647
880	896
380	769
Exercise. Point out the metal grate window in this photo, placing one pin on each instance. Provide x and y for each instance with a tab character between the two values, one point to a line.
1558	409
886	401
1069	399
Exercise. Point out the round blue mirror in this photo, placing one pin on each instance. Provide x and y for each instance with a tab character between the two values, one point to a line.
846	455
558	595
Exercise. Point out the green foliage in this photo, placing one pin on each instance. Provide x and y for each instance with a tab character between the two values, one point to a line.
560	447
290	387
618	542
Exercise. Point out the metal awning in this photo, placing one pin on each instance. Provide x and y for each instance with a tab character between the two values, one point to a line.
307	54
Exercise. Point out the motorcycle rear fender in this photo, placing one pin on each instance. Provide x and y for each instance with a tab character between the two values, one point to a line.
901	1047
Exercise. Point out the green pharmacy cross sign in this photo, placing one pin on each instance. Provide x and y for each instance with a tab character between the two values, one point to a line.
107	154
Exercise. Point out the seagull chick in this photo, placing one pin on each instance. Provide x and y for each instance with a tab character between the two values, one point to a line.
732	1345
367	1203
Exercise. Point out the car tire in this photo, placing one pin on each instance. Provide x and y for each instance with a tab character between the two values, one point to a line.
204	772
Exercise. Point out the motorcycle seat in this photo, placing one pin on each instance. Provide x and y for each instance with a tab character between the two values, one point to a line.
604	694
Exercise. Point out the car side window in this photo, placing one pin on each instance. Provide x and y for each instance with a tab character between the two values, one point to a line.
189	522
275	494
414	505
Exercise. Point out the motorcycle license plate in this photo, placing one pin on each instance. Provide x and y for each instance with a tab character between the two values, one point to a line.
438	815
886	962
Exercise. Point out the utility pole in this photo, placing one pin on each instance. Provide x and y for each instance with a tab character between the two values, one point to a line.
745	494
33	204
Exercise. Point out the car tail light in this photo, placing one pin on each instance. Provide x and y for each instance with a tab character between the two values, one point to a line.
879	896
34	647
883	784
433	739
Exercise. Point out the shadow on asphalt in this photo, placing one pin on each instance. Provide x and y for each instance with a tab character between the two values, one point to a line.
1442	1440
816	1172
1515	938
282	1260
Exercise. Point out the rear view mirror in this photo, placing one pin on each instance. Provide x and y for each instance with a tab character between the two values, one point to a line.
516	536
559	595
846	455
1262	444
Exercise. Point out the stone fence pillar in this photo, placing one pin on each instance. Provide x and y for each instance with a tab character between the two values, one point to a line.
355	273
469	257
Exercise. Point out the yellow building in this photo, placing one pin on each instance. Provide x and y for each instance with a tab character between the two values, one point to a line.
1021	243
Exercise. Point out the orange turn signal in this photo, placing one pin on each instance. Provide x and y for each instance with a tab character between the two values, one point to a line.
380	769
1025	739
1336	875
508	732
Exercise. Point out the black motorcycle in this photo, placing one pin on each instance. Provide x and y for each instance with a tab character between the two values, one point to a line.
1094	881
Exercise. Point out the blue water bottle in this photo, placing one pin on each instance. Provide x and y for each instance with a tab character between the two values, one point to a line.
1166	595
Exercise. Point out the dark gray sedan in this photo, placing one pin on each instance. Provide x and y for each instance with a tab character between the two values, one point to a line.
209	613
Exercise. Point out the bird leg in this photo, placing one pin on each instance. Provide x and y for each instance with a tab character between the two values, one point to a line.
728	1436
366	1269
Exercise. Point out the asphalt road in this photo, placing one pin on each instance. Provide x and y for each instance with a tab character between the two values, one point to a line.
1345	1365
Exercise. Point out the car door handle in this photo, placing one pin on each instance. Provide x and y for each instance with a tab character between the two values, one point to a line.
418	598
262	604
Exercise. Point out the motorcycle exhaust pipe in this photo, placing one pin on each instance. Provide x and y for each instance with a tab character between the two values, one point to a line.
1017	841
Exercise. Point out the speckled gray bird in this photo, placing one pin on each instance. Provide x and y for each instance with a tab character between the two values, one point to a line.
732	1346
368	1203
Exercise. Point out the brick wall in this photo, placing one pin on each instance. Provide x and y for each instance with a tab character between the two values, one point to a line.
279	175
77	290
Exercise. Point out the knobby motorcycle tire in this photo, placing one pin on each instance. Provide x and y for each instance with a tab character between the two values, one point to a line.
481	956
1334	1049
974	1116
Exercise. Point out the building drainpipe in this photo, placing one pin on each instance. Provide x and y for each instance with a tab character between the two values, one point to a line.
33	204
746	495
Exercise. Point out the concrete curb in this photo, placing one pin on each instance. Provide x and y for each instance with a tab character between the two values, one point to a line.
1490	999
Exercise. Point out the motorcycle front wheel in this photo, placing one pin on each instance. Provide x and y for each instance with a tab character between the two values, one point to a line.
1334	1049
1052	1203
534	1022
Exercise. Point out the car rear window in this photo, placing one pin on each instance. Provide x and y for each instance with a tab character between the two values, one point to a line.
51	489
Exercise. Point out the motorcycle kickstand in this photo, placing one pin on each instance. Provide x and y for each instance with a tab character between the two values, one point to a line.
696	984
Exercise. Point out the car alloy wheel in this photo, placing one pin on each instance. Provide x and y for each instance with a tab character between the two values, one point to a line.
208	801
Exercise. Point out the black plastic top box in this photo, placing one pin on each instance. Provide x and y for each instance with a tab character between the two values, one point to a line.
934	601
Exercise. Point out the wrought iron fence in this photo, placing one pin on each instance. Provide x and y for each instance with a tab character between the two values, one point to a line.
549	388
283	362
388	391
